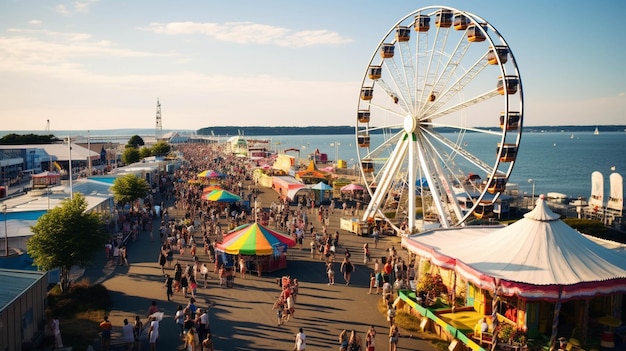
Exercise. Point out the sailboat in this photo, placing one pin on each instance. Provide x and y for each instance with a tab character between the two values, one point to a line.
596	132
571	136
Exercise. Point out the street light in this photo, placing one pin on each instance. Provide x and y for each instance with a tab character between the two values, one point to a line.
532	198
6	235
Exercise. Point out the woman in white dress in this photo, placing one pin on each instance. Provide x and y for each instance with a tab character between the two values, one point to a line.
153	333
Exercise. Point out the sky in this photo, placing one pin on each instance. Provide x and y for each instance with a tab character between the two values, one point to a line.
102	64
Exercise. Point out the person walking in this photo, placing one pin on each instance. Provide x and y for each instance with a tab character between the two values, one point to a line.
354	342
343	340
191	340
331	273
55	330
127	335
347	268
300	342
137	330
394	336
179	317
169	282
204	271
106	327
207	343
153	333
370	339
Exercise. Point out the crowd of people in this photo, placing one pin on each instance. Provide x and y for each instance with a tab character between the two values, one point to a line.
189	229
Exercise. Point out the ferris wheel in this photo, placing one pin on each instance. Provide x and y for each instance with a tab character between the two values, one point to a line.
439	120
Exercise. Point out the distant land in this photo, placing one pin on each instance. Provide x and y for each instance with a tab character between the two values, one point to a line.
342	130
273	131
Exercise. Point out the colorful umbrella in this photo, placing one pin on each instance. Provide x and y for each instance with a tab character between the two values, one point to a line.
352	187
221	196
254	239
208	189
209	173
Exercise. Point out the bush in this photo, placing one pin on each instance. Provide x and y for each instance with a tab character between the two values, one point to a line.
80	311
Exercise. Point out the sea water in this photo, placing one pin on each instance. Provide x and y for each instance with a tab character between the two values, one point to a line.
556	162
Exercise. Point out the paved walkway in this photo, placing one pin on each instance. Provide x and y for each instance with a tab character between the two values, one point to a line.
242	318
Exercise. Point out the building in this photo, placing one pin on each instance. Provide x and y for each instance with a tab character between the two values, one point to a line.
22	308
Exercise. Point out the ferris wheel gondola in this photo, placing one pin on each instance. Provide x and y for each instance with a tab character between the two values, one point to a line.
439	78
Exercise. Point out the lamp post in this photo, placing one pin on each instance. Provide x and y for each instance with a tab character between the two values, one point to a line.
6	234
532	198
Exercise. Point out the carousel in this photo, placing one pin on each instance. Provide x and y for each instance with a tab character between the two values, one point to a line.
263	249
539	275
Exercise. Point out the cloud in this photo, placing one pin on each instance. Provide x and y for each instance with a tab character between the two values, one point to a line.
82	6
57	53
250	33
35	22
62	10
77	7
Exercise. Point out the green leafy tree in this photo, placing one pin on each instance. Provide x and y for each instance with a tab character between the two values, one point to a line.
129	188
17	139
135	141
66	236
161	148
145	152
131	155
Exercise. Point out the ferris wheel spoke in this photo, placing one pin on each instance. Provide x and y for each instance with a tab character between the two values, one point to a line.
398	98
464	128
385	181
462	105
434	61
457	149
409	74
443	79
457	86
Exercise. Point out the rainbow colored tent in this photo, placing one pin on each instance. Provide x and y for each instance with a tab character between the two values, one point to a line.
221	195
255	239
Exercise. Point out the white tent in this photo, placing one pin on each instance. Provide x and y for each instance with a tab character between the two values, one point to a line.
538	257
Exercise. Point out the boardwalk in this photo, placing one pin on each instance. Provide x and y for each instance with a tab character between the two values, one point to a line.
242	317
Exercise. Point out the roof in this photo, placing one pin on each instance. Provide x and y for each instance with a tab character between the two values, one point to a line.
537	257
14	283
60	152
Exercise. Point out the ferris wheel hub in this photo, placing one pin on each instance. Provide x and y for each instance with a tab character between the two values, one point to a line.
410	124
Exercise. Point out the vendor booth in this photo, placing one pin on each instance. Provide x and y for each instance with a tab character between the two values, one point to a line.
263	249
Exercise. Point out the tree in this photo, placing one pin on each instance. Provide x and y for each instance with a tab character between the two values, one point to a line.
131	155
129	188
145	152
24	139
160	148
66	236
135	141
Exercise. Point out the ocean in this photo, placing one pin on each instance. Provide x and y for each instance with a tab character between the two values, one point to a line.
555	162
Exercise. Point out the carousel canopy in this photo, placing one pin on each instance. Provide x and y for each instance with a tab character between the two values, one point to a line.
537	257
209	173
222	195
254	239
